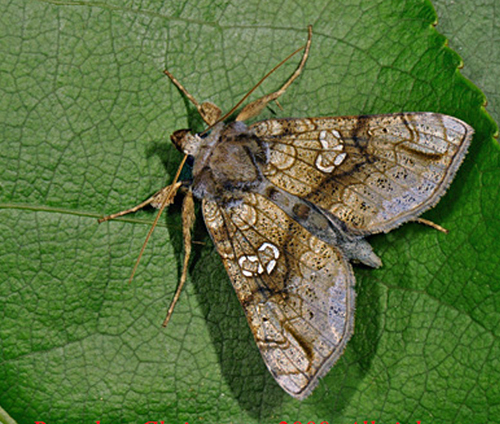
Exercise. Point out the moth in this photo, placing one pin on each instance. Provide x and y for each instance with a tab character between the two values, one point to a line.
288	204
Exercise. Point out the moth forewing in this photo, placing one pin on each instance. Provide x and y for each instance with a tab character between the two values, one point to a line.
288	203
373	172
296	290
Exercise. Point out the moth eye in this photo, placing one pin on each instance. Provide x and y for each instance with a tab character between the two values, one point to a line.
190	160
179	138
186	142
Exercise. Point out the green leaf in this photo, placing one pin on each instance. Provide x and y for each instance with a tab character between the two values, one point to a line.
86	118
471	29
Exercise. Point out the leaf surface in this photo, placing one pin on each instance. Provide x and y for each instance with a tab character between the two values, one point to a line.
86	118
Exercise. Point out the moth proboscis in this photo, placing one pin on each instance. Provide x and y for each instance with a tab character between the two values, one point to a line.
288	203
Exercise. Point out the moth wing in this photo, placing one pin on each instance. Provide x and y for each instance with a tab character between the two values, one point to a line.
373	172
297	291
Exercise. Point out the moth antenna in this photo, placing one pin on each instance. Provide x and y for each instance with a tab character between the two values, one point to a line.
286	59
165	201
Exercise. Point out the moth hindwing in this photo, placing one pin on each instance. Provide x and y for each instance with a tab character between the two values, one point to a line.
288	203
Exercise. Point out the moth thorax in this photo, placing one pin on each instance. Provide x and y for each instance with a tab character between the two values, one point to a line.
228	163
186	142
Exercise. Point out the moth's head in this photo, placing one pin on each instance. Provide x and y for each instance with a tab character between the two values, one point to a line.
185	142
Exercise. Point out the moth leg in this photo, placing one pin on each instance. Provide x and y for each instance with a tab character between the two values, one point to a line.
255	108
188	218
166	194
431	224
209	112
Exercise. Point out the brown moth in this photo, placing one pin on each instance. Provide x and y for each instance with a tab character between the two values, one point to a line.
288	204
